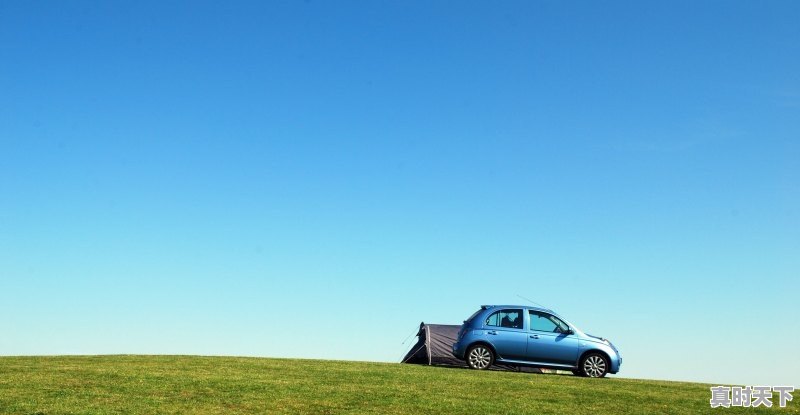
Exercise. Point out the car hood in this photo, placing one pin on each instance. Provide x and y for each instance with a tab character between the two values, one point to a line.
596	338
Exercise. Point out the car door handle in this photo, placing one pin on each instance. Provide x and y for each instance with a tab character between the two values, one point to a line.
491	332
534	336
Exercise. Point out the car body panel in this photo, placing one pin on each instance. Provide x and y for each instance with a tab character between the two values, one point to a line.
508	343
555	348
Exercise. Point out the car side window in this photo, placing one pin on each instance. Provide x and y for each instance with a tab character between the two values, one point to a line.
562	326
494	319
546	322
505	318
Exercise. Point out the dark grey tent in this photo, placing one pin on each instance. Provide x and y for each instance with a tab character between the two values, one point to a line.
435	347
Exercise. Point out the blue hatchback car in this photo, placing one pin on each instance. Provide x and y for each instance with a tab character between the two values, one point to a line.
532	336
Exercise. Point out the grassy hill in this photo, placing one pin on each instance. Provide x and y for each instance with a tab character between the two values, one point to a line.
227	385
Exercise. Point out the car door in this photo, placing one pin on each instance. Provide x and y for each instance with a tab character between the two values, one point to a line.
505	331
549	340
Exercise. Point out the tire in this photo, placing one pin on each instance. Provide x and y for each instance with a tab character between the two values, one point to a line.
480	357
577	372
594	365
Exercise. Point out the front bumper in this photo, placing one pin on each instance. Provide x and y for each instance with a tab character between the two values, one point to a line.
616	363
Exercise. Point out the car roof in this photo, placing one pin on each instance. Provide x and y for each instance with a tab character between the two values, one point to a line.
530	307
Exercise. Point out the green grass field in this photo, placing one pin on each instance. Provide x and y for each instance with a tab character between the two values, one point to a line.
226	385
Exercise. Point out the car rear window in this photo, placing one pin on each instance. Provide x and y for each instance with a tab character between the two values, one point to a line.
473	316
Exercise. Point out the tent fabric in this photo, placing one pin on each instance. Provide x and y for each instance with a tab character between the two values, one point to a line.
435	347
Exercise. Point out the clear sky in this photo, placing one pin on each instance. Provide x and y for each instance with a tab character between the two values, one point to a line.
313	179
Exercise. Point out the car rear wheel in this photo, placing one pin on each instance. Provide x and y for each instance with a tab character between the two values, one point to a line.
480	357
594	365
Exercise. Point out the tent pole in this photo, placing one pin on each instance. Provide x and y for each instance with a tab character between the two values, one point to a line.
428	343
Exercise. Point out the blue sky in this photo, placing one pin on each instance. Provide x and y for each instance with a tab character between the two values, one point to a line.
313	179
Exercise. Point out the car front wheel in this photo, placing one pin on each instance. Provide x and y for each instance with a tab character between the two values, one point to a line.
594	365
480	357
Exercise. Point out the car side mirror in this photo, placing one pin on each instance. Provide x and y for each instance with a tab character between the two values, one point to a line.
569	331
